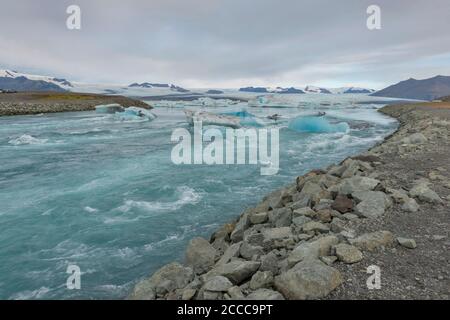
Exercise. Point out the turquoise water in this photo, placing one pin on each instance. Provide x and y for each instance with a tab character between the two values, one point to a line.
88	189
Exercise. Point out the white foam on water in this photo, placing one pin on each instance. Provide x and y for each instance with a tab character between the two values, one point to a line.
26	139
187	196
31	294
90	209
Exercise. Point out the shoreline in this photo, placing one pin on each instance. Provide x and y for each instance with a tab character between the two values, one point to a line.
311	239
29	103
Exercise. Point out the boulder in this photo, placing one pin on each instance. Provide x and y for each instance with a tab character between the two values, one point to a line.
264	294
200	255
372	204
235	293
236	271
257	218
305	211
231	252
342	203
217	284
243	223
410	205
261	279
312	250
415	138
281	217
269	262
249	251
374	240
315	226
301	220
348	253
170	277
423	192
309	279
357	183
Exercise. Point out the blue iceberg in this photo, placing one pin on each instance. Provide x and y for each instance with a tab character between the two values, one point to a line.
245	118
135	113
317	125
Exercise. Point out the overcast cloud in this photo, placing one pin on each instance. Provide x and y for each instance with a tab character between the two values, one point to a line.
228	43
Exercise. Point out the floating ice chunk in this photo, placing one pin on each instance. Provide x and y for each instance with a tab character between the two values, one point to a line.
26	139
246	118
317	125
109	108
135	113
208	118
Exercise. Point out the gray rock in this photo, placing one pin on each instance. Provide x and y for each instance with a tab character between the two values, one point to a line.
410	205
416	138
170	277
328	260
231	252
423	192
372	204
243	223
347	253
281	217
316	227
200	255
353	184
264	294
407	243
310	190
324	204
305	211
236	271
269	262
249	251
342	204
261	279
218	284
235	293
301	220
309	279
188	294
257	218
273	234
374	240
312	250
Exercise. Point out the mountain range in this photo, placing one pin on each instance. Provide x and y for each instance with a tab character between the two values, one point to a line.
426	89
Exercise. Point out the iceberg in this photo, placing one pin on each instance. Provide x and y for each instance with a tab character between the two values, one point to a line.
313	124
135	113
208	118
245	118
109	108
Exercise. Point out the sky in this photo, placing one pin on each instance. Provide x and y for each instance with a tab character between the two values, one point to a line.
228	43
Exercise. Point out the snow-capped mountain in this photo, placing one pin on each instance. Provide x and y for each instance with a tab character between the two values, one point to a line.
14	80
280	90
314	89
351	90
158	85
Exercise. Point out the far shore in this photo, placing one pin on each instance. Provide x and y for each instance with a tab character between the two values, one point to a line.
25	103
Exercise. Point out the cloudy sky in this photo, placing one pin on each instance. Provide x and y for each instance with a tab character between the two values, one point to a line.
228	43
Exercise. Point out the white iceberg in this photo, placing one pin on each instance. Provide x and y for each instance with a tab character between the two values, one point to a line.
135	113
208	118
109	108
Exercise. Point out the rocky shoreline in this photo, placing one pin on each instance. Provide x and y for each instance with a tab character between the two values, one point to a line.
23	103
315	238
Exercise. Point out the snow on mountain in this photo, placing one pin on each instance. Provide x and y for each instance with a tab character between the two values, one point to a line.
314	89
10	74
